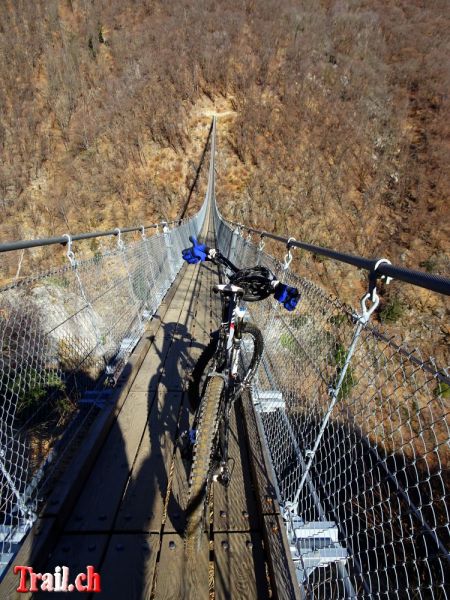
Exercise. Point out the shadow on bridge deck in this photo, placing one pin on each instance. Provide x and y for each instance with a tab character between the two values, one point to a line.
128	518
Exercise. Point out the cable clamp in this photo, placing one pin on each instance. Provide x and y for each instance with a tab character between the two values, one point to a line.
367	311
120	243
371	296
386	278
143	236
288	256
166	228
70	254
261	243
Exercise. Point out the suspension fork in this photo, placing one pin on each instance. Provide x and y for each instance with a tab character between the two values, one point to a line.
232	318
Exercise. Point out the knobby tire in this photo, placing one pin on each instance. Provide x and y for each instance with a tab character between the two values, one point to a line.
203	447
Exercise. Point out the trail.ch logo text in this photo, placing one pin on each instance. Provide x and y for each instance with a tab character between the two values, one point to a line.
57	581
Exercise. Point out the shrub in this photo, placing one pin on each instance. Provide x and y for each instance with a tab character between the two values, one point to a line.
392	311
443	390
429	264
31	398
289	342
299	321
338	319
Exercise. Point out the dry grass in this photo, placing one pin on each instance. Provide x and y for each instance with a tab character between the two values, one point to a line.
334	125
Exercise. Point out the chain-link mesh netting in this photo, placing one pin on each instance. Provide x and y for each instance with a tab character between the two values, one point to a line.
358	432
64	336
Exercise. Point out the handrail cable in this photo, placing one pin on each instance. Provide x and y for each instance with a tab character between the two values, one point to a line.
63	239
429	281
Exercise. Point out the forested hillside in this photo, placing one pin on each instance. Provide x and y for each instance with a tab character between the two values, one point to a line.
335	128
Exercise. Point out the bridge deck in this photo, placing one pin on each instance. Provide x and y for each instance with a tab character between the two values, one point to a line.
127	517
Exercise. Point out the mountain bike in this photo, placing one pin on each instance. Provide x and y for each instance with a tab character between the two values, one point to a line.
225	368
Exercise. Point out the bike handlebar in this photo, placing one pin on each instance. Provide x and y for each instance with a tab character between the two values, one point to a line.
287	296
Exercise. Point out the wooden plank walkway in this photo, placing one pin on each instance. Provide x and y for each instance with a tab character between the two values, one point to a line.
128	518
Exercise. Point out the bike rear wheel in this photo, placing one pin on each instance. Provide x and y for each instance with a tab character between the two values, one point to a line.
207	426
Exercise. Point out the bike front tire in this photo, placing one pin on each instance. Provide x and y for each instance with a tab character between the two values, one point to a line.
202	367
207	426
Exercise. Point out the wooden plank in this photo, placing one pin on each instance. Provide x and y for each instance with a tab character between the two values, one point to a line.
172	315
42	536
148	515
181	362
179	300
215	304
75	552
152	366
283	578
129	566
174	371
175	518
239	568
67	489
142	506
200	323
235	505
265	489
199	334
282	570
185	322
177	577
98	503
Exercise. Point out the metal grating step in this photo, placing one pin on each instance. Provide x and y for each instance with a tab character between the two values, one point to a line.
268	401
314	544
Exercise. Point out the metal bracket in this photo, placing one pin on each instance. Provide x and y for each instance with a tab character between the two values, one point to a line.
366	312
70	254
288	256
261	243
385	277
120	243
372	295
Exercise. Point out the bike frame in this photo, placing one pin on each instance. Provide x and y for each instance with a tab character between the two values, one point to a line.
227	364
227	356
226	360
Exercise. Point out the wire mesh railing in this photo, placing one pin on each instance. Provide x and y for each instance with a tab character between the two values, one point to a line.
357	428
65	336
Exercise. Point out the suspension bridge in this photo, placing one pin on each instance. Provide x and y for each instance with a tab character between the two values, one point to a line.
341	453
